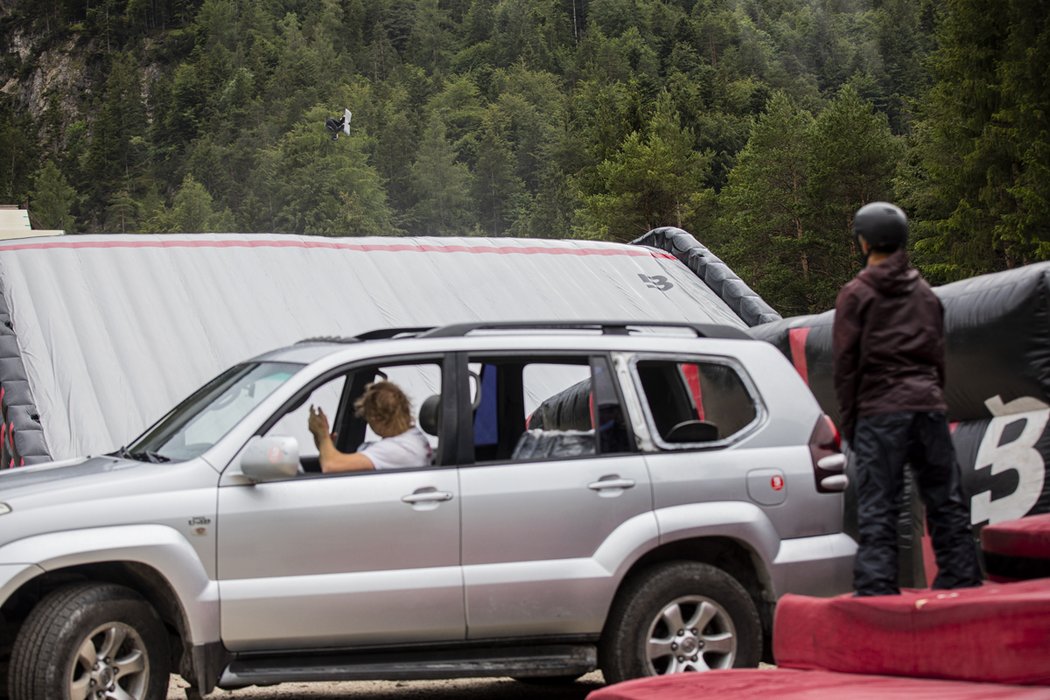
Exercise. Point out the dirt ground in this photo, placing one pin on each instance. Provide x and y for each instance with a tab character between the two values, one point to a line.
466	689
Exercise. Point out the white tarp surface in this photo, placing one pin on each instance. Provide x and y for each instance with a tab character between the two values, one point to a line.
113	330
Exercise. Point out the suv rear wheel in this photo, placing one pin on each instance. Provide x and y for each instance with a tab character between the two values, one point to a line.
87	641
680	616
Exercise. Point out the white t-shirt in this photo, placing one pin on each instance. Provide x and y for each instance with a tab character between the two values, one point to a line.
409	449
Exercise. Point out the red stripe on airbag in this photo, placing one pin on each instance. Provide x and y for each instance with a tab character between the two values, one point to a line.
797	341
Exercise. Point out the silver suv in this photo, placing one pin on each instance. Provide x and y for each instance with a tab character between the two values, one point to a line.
630	497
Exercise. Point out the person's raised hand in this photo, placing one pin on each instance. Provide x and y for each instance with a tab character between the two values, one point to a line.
317	423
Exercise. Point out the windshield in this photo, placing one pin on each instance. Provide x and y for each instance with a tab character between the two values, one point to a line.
197	423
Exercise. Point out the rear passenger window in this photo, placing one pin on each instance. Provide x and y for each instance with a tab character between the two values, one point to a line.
694	401
531	409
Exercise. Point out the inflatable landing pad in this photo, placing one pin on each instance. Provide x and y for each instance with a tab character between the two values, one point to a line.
1017	549
998	633
789	684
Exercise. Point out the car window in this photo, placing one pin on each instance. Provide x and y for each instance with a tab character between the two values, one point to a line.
337	395
293	422
691	402
196	424
530	408
419	382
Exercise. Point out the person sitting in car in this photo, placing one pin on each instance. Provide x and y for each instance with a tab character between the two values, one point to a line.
388	413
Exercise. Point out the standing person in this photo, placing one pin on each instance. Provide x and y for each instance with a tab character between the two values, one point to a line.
388	413
888	344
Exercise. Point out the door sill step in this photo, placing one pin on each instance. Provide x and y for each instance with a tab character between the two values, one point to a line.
518	662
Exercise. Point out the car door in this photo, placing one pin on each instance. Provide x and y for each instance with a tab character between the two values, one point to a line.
340	560
554	493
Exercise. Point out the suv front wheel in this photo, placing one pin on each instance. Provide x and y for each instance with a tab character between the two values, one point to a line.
87	641
680	616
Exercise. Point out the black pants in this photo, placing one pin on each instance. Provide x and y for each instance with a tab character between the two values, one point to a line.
882	444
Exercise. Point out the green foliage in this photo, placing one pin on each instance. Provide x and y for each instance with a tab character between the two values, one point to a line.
791	197
123	213
977	180
325	187
767	222
17	153
497	188
52	199
761	125
192	211
853	156
441	186
117	151
653	180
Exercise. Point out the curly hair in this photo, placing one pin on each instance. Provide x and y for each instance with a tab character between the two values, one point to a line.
386	408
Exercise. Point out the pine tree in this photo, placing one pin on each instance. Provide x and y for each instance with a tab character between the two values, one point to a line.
122	213
1024	229
902	49
432	43
656	179
766	227
18	153
853	158
497	188
441	186
602	115
396	116
325	187
52	199
977	182
529	33
460	105
117	152
300	77
193	208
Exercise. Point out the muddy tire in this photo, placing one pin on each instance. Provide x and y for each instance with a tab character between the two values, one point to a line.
677	617
90	640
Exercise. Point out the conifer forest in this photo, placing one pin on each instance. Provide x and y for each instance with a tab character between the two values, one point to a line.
759	126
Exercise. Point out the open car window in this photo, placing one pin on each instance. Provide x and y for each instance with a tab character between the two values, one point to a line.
336	396
533	408
293	423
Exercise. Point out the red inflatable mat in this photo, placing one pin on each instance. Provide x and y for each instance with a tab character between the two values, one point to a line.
1024	537
789	684
1017	550
998	633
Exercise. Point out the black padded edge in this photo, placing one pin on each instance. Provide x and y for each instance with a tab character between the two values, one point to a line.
743	300
1016	568
17	408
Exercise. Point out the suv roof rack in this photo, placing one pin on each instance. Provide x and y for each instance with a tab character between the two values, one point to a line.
327	339
702	330
376	334
384	333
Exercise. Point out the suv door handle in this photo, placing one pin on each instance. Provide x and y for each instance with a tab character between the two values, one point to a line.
427	495
607	483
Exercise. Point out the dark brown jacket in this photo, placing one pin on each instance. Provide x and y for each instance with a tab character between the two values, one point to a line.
888	343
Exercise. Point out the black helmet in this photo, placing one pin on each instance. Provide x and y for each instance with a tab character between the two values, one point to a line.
883	225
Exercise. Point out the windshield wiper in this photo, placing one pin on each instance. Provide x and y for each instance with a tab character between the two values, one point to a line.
140	456
148	456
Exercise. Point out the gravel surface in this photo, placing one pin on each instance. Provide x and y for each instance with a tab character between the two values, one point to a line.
466	689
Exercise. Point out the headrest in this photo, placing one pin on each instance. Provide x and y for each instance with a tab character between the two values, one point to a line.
430	415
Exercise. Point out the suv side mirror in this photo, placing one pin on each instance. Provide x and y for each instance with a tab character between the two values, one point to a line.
270	458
